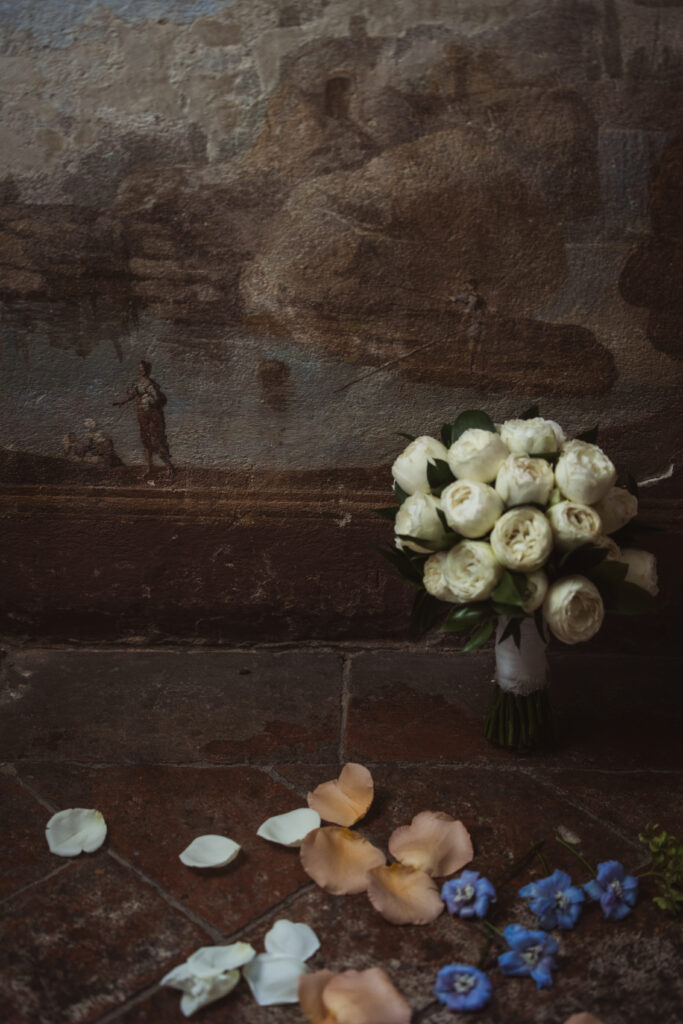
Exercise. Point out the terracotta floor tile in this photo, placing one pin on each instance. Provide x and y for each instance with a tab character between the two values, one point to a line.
222	706
153	813
84	941
24	853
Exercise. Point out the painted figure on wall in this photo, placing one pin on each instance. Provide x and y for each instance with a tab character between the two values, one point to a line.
149	403
94	449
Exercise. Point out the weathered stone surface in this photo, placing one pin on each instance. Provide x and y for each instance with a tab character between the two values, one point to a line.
222	708
24	853
86	940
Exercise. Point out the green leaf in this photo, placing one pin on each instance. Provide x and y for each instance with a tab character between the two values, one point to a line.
479	638
439	475
409	568
633	600
582	559
472	419
408	437
510	611
512	629
400	493
465	616
511	589
608	574
425	612
447	434
539	622
444	544
531	413
387	513
589	436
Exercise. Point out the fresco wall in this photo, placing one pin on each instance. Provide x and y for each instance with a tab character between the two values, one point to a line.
279	206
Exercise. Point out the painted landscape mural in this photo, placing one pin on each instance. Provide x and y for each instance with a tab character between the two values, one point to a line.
242	245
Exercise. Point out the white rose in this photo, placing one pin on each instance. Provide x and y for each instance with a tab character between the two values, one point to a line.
616	509
573	609
584	472
434	579
471	571
418	517
642	569
573	524
477	455
536	589
525	481
613	550
410	468
522	539
532	437
470	507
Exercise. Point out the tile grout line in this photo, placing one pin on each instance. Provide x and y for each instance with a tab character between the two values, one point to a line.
344	706
38	881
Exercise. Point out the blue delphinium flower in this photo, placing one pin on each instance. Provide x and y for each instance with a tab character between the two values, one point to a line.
554	900
461	987
531	953
468	895
616	891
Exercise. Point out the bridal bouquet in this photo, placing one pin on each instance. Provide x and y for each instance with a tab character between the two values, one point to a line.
519	530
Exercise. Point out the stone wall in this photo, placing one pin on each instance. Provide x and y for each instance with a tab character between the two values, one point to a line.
278	205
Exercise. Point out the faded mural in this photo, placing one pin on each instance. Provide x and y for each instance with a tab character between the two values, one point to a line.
326	221
243	244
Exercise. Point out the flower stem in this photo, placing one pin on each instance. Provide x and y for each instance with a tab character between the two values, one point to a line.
492	927
518	866
544	862
576	853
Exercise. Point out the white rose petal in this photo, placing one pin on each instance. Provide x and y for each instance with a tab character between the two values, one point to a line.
75	830
573	609
584	472
434	579
477	455
532	437
522	480
471	508
410	468
418	517
537	587
471	571
642	569
613	550
574	524
209	974
274	980
290	829
209	852
287	938
522	539
616	509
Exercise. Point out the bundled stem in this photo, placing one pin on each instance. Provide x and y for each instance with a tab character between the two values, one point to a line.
519	718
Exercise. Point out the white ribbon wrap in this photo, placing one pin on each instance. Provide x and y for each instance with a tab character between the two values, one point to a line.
524	669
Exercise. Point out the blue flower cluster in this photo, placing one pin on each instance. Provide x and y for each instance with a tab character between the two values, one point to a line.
557	904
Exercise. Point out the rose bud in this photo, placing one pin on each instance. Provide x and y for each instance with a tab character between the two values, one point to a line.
642	569
584	472
470	507
522	539
477	455
616	509
471	571
573	609
532	437
522	480
410	468
573	524
418	517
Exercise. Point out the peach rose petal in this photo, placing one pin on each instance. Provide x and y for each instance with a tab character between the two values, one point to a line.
365	997
404	895
338	860
345	800
433	842
311	988
582	1018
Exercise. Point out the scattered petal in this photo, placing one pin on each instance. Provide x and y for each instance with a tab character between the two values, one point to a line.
311	987
290	829
365	997
274	979
294	940
75	830
338	859
433	842
208	974
582	1018
404	895
344	800
209	852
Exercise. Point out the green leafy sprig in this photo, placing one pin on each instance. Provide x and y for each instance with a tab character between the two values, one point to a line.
666	853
